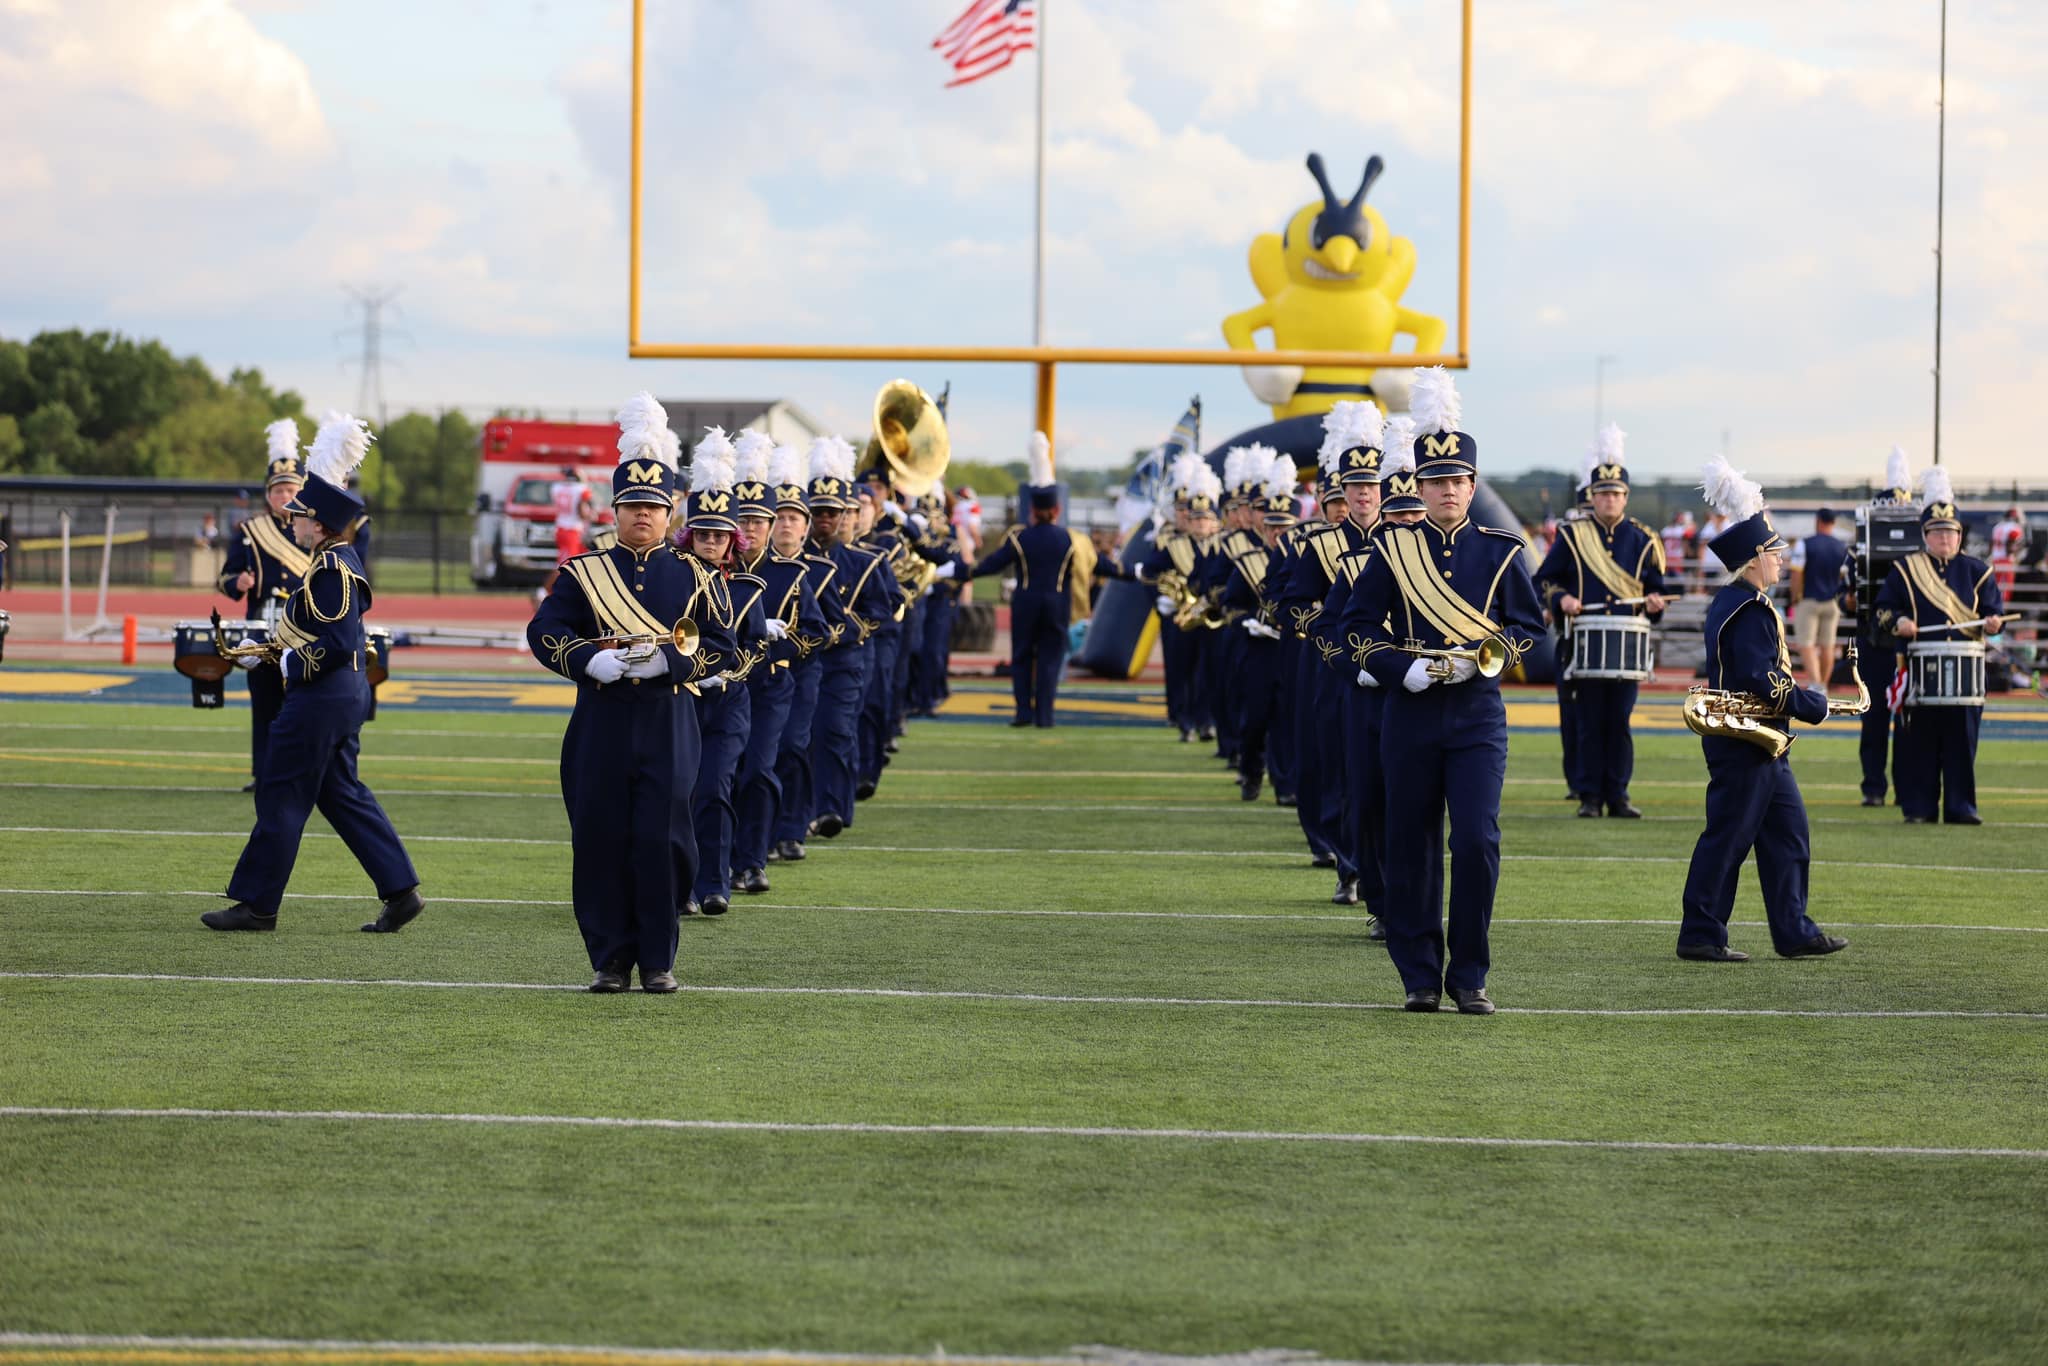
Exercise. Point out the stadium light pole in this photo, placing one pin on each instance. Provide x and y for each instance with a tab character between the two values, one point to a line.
1940	187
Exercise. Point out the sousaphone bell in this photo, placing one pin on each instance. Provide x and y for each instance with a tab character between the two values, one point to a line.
909	439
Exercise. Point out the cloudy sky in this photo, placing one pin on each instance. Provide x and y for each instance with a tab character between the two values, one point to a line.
1734	200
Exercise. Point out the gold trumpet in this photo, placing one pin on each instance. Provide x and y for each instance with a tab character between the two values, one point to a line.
684	636
1722	714
1490	657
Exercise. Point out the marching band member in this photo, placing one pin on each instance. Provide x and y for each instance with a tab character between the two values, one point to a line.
1561	679
1753	800
1043	557
866	597
1175	550
317	734
724	706
1877	653
937	543
1243	471
880	534
794	772
264	567
1925	596
1445	583
1595	564
629	753
1350	458
774	535
1248	595
1311	565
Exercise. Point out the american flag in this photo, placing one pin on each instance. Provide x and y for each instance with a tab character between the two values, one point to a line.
1895	695
986	36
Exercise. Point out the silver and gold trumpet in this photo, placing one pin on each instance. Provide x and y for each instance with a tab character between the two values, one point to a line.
683	636
1490	657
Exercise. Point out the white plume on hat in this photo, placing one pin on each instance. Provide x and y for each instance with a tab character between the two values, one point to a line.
642	423
282	436
1935	487
1209	485
1607	445
711	462
785	466
1349	424
1729	492
750	456
1434	402
1281	476
832	458
1898	474
338	448
1586	464
1400	454
1185	473
1040	455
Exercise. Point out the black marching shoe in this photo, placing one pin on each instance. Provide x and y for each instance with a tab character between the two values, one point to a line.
610	980
240	916
715	905
1625	810
398	912
1873	801
775	853
752	881
1472	1002
1286	799
1346	893
863	791
1588	808
1206	734
249	786
1962	818
1186	735
790	851
1919	820
1020	723
660	984
1375	931
1322	861
688	907
827	825
1423	1002
1711	953
1816	946
1249	786
892	747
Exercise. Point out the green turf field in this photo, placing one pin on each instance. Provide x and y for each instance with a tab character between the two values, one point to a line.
1061	1045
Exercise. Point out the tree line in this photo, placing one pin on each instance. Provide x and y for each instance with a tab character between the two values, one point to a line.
100	403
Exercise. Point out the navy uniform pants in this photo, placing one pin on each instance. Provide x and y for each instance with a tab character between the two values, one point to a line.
1362	803
1874	666
757	791
1318	774
1225	656
1936	763
1175	650
928	682
266	698
835	730
312	765
1753	802
1281	759
725	718
797	797
1567	716
877	707
1606	754
906	665
1258	695
1447	748
1038	652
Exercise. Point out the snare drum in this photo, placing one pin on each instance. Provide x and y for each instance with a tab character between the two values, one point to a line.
1611	647
1945	673
194	655
377	654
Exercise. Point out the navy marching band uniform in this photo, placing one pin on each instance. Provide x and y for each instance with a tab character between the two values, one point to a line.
1753	800
877	725
794	771
1175	551
1318	774
1445	745
1935	748
1600	565
1042	557
264	549
1246	598
317	736
773	687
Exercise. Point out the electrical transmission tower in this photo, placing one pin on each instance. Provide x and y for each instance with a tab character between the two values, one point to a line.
372	300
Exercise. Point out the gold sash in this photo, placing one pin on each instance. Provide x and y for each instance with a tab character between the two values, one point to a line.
1180	552
1594	555
612	600
1927	582
1329	548
266	536
1252	564
1425	592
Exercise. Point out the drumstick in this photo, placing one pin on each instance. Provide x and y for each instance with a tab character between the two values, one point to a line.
1623	602
1966	625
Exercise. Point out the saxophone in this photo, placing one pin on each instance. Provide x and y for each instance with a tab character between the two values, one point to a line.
1717	712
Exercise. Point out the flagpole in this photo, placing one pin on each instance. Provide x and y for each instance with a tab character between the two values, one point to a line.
1045	385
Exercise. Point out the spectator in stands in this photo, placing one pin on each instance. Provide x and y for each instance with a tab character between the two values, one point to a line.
1706	535
208	535
1677	537
2008	544
1819	578
967	532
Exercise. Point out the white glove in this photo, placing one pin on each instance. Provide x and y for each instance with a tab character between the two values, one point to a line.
1366	680
890	506
605	666
712	684
1253	626
1463	670
284	663
1167	606
918	523
654	666
946	570
778	629
1418	677
246	661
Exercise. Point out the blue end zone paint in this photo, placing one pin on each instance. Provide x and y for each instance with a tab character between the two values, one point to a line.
1530	712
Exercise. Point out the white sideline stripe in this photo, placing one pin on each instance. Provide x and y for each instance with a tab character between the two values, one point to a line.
1032	997
385	793
380	756
1004	849
772	1126
554	735
1355	918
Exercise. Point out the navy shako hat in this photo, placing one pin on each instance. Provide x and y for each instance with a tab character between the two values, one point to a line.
1741	500
750	492
338	449
1938	503
786	478
283	465
1042	491
831	474
710	505
1276	502
1609	474
1398	489
648	454
1441	450
1353	437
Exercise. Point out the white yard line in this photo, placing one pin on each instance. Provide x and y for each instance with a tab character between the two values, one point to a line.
1012	1131
1027	997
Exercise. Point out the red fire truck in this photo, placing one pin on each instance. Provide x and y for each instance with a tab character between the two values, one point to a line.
514	538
